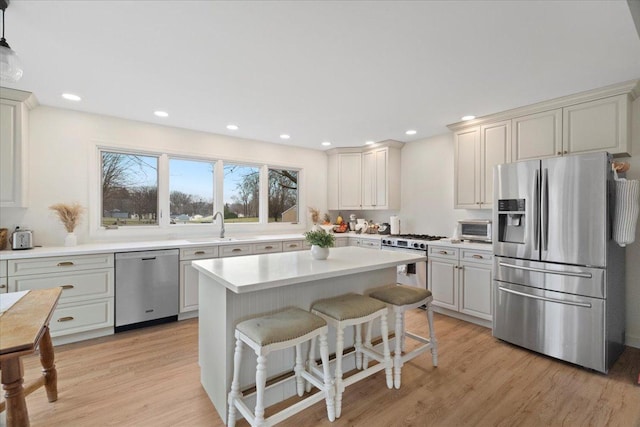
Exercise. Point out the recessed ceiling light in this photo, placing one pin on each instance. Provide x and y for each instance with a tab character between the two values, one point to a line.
411	132
71	97
232	127
369	142
326	143
465	118
161	113
285	136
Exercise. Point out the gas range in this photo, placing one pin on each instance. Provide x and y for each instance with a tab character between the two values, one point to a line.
417	242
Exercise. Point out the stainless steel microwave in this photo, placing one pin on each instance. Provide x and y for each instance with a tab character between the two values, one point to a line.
475	229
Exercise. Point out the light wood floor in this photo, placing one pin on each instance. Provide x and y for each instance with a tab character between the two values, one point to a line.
150	377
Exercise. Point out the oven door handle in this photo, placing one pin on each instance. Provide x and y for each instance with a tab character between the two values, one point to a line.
543	270
559	301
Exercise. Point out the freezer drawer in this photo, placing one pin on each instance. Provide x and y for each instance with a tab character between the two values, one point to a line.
554	277
567	327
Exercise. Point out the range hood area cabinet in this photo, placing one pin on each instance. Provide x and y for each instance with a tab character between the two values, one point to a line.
364	178
597	120
14	139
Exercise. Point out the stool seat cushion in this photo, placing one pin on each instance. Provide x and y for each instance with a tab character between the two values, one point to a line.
348	306
401	295
281	326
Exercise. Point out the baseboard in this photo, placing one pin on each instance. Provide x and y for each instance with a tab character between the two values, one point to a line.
81	336
462	316
187	315
632	341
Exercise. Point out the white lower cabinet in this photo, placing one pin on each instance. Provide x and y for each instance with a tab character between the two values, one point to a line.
86	306
460	280
189	276
363	242
3	277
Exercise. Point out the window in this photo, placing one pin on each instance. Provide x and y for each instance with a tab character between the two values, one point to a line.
191	191
283	195
129	189
241	193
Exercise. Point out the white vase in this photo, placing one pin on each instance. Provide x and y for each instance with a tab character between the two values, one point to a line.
71	239
318	252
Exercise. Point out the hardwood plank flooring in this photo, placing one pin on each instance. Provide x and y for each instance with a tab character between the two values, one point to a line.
150	377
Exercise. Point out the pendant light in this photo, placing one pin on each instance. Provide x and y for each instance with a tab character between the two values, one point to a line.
10	66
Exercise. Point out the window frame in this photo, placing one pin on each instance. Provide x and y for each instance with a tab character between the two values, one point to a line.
176	231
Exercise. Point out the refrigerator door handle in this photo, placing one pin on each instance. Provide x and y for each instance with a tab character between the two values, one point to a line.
536	210
543	270
559	301
544	214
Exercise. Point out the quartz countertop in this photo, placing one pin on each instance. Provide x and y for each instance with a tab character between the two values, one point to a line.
258	272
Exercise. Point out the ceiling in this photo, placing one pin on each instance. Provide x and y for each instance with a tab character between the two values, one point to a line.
344	72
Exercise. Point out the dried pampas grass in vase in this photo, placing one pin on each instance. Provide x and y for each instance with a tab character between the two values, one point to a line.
69	215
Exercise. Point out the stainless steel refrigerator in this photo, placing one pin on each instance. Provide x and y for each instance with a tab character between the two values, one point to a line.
558	275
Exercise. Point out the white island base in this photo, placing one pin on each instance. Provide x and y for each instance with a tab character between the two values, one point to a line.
234	289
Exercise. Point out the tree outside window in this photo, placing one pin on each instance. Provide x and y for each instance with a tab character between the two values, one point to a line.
129	189
241	193
190	191
283	195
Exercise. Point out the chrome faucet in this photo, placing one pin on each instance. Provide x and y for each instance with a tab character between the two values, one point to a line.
222	226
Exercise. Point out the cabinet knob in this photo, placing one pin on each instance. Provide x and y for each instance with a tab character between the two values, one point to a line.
236	250
67	287
559	153
268	247
293	245
566	152
477	257
65	319
3	286
444	252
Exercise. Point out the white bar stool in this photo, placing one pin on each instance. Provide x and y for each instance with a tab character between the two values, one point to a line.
354	310
402	298
277	331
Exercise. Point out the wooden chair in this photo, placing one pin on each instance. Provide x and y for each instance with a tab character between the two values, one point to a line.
285	329
401	298
355	310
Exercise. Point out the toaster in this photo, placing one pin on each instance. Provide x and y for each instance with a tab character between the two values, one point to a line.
21	239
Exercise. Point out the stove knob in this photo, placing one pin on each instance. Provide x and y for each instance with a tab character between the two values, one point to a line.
415	245
423	246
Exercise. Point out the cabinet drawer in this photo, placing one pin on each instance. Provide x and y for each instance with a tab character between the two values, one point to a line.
199	253
482	257
264	248
22	267
234	250
77	317
292	245
77	286
373	244
3	268
443	252
340	242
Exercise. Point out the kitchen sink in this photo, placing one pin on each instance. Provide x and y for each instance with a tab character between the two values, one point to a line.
219	239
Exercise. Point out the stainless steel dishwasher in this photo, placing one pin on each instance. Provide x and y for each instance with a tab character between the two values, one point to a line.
147	288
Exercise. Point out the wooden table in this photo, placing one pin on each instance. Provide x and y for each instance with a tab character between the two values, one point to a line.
22	328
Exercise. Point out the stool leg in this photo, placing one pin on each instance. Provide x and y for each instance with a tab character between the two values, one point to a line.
298	370
329	391
261	382
358	345
384	329
338	371
402	340
367	340
397	354
432	335
311	364
235	384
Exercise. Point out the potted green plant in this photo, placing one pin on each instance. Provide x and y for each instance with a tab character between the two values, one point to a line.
320	242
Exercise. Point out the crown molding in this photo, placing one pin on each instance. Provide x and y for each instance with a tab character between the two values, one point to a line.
631	87
27	98
386	143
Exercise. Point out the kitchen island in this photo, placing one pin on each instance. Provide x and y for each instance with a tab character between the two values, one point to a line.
234	289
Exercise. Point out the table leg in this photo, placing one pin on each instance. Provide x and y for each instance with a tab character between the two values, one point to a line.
48	366
12	373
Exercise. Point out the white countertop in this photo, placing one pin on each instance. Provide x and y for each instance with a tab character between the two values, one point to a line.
257	272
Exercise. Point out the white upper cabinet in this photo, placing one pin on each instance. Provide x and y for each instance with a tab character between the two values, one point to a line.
467	168
477	150
365	179
600	125
537	135
14	109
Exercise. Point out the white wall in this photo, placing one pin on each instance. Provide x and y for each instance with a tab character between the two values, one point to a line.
427	204
62	160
